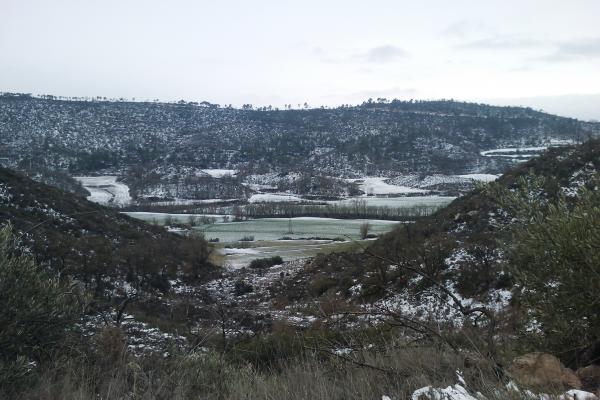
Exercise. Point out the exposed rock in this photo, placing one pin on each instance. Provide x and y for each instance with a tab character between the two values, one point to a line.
543	370
590	378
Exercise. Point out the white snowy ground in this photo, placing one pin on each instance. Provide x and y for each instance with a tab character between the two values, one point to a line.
160	218
512	150
397	202
272	197
377	186
480	177
520	154
190	202
460	391
229	251
288	250
105	190
219	173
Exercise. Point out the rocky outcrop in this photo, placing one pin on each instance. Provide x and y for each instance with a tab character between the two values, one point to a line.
543	370
590	378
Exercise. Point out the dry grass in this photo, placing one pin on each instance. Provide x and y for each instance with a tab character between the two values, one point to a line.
112	374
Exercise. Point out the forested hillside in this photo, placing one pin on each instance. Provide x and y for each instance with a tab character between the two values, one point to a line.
369	139
96	245
503	246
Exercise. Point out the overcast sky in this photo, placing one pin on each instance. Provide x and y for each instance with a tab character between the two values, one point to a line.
543	53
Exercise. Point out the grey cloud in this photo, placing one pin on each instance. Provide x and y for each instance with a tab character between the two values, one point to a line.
574	50
324	56
500	43
383	54
564	51
581	106
375	55
392	92
457	29
462	29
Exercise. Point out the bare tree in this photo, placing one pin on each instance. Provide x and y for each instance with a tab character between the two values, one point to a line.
364	229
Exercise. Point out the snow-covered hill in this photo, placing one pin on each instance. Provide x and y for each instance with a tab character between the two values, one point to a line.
159	146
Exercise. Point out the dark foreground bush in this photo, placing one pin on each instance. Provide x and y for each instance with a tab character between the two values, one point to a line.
555	263
264	263
35	312
241	288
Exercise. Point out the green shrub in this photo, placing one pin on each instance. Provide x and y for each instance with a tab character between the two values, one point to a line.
35	311
555	262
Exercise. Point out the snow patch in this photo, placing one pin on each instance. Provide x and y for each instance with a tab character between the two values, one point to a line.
480	177
379	186
219	173
105	190
273	197
513	150
227	251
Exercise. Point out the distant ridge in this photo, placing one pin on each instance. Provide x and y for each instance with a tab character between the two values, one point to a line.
160	142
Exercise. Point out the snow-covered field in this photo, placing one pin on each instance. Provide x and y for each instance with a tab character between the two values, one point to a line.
189	202
105	190
303	227
384	190
288	250
378	186
272	236
272	197
160	218
397	202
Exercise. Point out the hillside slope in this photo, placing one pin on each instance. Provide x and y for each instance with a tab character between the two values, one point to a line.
462	246
97	245
373	138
